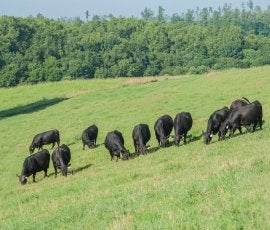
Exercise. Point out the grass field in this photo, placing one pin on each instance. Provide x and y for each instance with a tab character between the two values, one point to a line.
224	185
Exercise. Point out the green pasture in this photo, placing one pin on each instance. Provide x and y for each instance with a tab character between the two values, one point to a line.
225	185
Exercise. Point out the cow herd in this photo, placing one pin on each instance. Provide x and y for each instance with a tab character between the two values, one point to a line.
241	113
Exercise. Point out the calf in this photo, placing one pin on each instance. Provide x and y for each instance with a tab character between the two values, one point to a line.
33	164
182	124
61	158
163	127
114	142
214	122
246	115
45	138
89	136
141	135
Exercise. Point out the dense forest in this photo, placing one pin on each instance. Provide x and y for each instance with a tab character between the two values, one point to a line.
38	49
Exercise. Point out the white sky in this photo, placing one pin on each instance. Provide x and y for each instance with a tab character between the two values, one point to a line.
77	8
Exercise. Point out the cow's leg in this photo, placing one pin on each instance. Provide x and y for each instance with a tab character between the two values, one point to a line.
260	123
135	146
185	137
240	129
34	175
254	126
219	135
53	144
55	170
111	153
58	143
83	146
232	130
45	173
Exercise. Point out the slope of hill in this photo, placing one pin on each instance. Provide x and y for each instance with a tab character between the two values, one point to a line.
222	185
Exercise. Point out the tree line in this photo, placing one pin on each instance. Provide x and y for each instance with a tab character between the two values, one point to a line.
38	49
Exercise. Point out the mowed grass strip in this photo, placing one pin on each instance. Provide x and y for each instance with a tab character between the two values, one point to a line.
222	185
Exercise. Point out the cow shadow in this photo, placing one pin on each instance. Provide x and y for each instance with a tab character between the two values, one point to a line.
71	171
30	108
191	138
149	151
248	130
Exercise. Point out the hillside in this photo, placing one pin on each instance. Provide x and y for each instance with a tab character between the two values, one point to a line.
222	185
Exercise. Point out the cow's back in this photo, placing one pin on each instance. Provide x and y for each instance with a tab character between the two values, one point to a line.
250	113
182	122
163	125
92	131
141	131
238	104
37	162
65	153
113	140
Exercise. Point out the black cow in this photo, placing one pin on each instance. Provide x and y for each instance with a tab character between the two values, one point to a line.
214	123
33	164
45	138
182	124
114	142
61	158
89	136
163	127
141	135
239	103
246	115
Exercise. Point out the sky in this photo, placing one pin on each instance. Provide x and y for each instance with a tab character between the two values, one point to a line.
127	8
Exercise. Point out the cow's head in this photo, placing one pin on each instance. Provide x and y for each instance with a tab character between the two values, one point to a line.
125	154
91	144
164	142
22	179
142	149
207	137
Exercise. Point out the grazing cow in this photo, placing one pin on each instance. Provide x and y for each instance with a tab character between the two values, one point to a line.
182	124
61	158
45	138
141	135
89	136
246	115
114	142
163	127
214	122
239	103
33	164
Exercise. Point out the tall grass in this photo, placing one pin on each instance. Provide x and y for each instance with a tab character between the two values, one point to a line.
222	185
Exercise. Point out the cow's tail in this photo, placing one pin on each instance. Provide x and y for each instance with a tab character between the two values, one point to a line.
246	100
